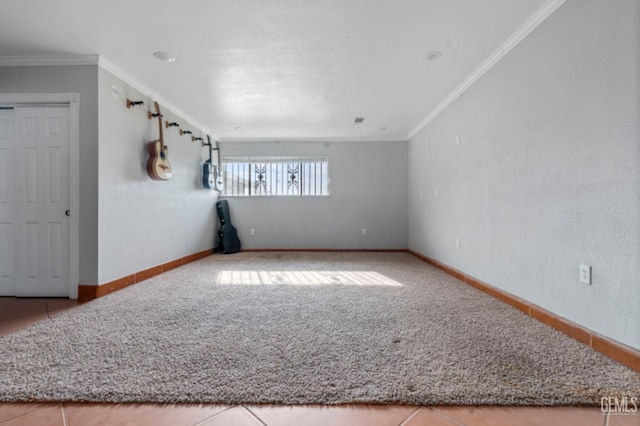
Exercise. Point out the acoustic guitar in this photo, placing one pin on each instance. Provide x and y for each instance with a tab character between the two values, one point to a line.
158	166
219	180
208	176
212	175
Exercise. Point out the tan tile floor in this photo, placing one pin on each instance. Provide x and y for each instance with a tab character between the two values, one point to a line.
19	313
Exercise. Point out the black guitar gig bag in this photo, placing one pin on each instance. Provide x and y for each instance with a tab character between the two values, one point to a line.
227	233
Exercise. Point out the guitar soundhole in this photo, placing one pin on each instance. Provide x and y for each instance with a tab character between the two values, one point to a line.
163	155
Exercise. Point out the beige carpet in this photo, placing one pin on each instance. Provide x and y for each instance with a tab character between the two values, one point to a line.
301	328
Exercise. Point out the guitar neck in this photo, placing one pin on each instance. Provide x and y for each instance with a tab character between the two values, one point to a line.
157	107
219	165
209	145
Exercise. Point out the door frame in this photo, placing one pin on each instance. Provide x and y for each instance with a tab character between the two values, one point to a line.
72	100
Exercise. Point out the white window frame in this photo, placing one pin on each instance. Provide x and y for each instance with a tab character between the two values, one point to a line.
268	176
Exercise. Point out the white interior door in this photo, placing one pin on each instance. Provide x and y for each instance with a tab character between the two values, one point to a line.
7	278
36	220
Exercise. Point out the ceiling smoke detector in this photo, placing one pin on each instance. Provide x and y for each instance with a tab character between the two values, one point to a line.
358	120
432	56
163	56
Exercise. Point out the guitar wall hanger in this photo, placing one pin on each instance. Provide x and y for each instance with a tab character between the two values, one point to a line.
217	148
131	103
172	124
193	139
153	115
185	132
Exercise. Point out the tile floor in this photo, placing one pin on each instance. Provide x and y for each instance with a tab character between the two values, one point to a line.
19	313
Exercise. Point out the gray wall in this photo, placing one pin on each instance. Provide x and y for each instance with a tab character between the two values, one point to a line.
547	173
368	186
83	80
143	223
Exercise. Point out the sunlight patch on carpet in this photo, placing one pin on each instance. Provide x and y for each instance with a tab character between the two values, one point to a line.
312	278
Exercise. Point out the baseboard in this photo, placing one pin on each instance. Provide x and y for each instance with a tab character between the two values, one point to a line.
90	292
329	250
617	351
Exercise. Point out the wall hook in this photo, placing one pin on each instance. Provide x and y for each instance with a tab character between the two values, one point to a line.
193	139
185	132
154	115
172	124
131	103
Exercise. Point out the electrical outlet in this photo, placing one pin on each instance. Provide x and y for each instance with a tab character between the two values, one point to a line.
457	139
457	243
252	231
364	231
585	274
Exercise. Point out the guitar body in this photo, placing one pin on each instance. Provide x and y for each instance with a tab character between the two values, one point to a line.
227	233
212	175
158	166
208	180
218	181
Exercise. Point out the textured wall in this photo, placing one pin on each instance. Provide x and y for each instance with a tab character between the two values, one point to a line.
143	222
368	186
547	172
83	80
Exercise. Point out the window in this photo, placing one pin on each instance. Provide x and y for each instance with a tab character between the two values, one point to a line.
269	176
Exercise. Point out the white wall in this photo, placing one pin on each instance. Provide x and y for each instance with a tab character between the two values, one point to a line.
368	186
83	80
547	173
143	223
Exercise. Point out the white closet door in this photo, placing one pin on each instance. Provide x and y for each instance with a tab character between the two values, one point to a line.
7	205
40	224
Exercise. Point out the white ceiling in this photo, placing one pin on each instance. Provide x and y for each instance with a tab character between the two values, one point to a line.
278	69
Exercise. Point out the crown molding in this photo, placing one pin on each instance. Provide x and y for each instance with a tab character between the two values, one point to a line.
118	72
520	34
51	60
328	139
